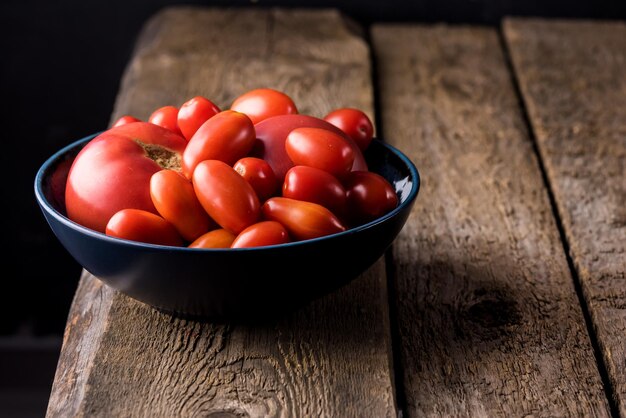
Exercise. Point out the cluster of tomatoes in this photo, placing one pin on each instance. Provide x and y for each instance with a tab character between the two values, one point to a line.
256	174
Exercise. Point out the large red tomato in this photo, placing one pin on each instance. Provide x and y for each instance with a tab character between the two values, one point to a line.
272	132
112	172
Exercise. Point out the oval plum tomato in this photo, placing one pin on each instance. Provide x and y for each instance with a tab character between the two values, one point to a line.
355	123
176	201
217	238
314	185
227	136
303	220
261	234
113	171
369	196
142	226
320	148
124	120
226	196
260	104
260	176
193	113
167	117
271	134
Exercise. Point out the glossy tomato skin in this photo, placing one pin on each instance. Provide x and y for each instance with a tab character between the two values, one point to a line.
369	196
314	185
167	117
124	120
193	113
176	201
261	234
142	226
272	133
355	123
260	104
227	136
217	238
320	148
226	196
113	171
260	176
303	220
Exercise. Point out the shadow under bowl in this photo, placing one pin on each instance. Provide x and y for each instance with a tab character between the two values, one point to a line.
230	284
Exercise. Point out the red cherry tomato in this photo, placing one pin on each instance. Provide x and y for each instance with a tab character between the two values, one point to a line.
176	201
113	171
142	226
124	120
314	185
271	134
355	123
226	196
227	136
193	113
260	104
303	220
217	238
260	176
261	234
320	148
369	196
167	117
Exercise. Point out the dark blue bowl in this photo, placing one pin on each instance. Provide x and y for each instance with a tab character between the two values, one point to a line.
245	283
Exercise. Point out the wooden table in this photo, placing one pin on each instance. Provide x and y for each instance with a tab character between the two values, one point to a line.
505	293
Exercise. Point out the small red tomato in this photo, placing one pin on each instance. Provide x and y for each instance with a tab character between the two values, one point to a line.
193	113
321	149
176	201
271	135
227	136
355	123
260	104
259	174
261	234
314	185
167	117
124	120
217	238
369	196
303	220
140	225
226	196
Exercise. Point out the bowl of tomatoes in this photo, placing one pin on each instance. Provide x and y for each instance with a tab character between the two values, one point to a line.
235	215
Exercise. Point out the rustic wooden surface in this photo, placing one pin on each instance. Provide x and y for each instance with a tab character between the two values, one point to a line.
489	323
332	358
572	76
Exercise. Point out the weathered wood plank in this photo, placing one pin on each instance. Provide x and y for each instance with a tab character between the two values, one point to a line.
572	75
488	319
332	358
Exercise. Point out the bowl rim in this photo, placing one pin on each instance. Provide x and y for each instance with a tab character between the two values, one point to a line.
47	206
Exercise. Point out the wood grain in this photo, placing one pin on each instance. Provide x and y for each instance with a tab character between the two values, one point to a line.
489	323
332	357
572	75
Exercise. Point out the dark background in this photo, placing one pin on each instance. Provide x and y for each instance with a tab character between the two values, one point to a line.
61	66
